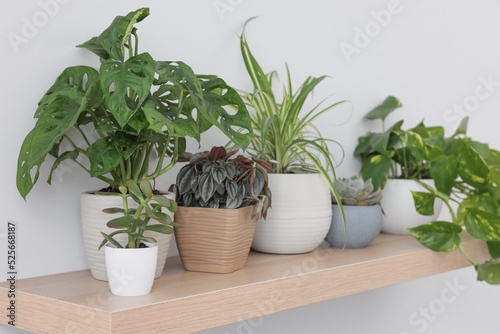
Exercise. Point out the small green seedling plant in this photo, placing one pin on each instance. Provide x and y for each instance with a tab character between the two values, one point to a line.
136	221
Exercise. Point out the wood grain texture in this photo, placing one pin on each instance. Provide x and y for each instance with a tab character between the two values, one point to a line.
185	302
214	240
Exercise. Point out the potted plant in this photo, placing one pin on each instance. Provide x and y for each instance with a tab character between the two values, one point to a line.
468	182
301	213
219	199
394	159
131	265
129	119
363	215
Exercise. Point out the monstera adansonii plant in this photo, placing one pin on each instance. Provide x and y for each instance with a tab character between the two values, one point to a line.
110	120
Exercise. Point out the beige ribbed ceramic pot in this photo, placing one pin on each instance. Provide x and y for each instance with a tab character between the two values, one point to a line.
94	221
214	240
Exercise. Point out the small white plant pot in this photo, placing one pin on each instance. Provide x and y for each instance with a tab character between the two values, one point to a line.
131	271
399	207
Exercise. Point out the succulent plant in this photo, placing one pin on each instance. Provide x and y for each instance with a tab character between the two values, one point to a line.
355	191
214	180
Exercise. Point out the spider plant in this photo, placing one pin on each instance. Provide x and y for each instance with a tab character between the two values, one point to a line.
282	136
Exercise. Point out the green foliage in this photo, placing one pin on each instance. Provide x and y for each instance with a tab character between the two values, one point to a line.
135	222
398	153
356	191
284	136
215	180
466	175
115	117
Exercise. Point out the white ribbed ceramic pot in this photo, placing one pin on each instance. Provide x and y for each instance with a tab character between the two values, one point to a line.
94	222
299	218
399	207
131	271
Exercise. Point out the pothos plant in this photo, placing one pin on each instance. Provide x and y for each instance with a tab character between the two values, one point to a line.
398	153
467	179
135	222
288	140
213	179
114	118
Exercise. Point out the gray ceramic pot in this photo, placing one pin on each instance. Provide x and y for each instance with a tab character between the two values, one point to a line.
363	225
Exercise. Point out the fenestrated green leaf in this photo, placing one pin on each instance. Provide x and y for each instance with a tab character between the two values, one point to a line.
71	155
384	109
57	118
217	95
483	225
207	187
471	167
177	127
122	222
126	85
489	272
160	228
110	43
444	171
424	202
75	83
377	169
439	236
103	157
147	188
125	144
494	248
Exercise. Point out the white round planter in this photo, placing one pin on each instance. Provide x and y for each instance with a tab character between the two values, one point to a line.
94	222
399	208
299	218
131	271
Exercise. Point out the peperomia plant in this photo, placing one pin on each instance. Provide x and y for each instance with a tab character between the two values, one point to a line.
136	221
215	180
114	118
467	177
398	153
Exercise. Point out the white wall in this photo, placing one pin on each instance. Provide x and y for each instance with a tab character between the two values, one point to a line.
433	55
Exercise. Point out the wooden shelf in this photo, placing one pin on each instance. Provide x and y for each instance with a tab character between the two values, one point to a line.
186	302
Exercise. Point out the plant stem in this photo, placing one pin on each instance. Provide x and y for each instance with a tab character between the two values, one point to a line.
159	171
467	256
83	135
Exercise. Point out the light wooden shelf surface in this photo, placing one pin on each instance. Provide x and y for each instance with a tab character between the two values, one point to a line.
186	302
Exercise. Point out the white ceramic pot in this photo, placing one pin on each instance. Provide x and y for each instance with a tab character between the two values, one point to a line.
299	218
131	271
399	207
94	222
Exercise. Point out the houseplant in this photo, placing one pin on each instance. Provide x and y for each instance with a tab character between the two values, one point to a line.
393	159
136	258
363	215
301	213
468	182
219	199
129	119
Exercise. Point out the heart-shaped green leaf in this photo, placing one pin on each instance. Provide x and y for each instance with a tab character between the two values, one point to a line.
444	172
489	272
439	236
384	109
483	225
424	202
